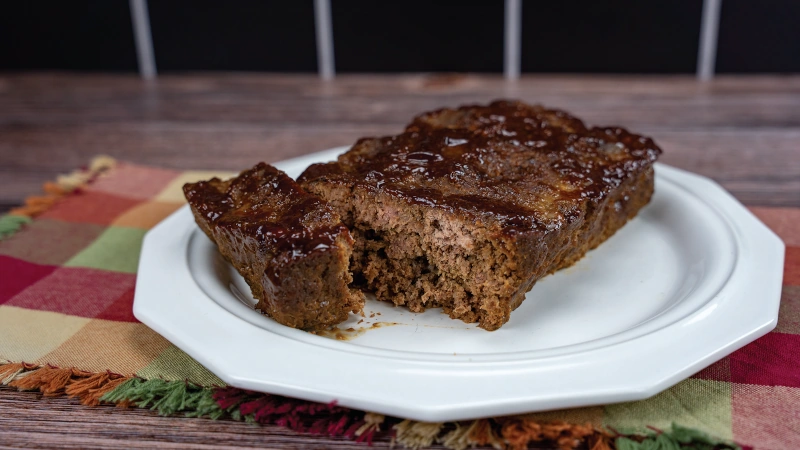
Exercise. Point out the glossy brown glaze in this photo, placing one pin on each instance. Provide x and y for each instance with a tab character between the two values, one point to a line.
269	206
289	245
516	166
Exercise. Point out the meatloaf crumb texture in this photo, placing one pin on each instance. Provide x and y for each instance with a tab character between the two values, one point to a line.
469	207
289	245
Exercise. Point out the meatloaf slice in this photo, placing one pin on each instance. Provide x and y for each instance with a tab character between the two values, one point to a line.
469	207
289	245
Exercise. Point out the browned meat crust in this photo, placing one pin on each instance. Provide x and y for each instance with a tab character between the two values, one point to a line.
468	208
289	245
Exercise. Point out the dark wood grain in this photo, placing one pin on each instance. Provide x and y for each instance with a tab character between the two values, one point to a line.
743	132
28	420
740	131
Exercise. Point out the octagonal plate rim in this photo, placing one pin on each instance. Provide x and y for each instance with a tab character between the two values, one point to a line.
168	300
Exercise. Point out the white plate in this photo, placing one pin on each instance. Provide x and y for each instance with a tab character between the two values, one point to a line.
692	278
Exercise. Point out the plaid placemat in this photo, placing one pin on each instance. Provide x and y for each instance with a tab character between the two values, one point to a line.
68	264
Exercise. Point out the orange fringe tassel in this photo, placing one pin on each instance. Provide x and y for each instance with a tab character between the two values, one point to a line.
90	390
50	381
9	371
482	434
65	185
87	387
35	206
519	432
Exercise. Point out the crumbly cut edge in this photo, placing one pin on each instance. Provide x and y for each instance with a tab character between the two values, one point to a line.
314	292
307	302
424	257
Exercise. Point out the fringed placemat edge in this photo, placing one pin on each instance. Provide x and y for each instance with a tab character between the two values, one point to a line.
226	402
53	191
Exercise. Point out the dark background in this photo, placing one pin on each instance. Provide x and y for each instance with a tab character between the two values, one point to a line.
625	36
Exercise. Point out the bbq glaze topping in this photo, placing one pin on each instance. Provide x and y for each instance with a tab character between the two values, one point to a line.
270	207
523	167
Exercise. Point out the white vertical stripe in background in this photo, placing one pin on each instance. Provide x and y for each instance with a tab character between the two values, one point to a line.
512	43
324	28
144	40
706	55
709	28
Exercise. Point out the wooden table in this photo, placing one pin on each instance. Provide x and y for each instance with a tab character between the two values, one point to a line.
743	132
